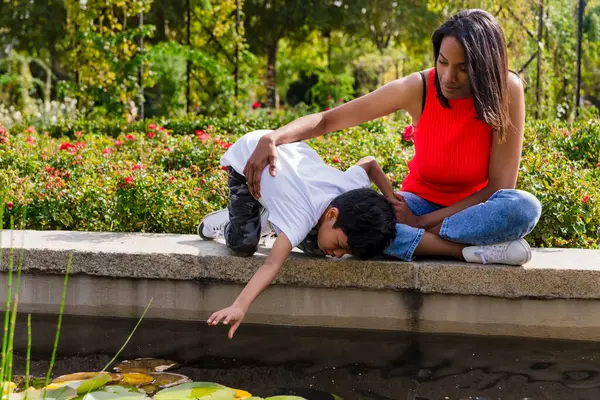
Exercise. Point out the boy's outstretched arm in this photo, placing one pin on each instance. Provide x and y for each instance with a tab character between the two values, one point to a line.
261	279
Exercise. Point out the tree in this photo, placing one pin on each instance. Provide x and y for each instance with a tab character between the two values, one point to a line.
102	43
267	22
387	22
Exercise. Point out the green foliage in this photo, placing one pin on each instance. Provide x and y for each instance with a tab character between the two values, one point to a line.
167	96
122	178
91	51
332	88
103	47
18	85
565	177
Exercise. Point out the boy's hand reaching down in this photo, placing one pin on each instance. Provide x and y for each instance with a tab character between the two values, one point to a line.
233	314
261	279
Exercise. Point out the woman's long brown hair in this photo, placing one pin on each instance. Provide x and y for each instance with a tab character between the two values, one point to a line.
485	48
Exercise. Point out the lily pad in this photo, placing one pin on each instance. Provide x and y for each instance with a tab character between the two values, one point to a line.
198	391
305	393
285	398
8	387
64	393
96	382
115	392
150	389
36	383
136	379
81	376
168	379
145	365
241	394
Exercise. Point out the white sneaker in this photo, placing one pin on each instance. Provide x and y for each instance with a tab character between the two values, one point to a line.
213	225
516	252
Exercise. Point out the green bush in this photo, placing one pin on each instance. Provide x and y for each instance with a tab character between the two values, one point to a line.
164	176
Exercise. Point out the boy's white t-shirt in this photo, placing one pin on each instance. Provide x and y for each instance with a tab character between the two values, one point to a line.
303	187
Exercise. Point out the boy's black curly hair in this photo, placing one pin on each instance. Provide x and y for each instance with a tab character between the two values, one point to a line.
368	219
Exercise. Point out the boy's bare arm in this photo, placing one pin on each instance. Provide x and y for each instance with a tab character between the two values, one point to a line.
261	279
377	176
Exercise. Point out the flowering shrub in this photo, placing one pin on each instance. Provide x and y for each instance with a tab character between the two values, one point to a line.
164	176
40	113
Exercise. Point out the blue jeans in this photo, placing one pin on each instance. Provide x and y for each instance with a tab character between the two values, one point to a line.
507	215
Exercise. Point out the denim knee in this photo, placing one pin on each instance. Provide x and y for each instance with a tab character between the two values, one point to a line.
523	210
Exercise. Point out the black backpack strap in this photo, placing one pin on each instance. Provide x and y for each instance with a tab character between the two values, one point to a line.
424	91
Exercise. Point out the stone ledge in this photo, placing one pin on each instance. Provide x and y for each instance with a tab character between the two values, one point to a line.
551	274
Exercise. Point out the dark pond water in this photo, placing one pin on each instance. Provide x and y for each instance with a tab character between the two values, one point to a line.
354	364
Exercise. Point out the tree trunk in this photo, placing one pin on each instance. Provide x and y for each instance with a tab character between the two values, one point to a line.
271	81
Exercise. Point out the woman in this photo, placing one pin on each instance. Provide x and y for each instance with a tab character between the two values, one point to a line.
468	117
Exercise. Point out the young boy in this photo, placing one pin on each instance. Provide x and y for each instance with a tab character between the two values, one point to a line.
306	193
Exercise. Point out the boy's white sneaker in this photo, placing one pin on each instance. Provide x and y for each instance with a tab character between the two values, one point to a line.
516	252
213	225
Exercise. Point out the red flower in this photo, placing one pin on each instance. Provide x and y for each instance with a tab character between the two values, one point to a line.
137	166
151	135
78	134
210	127
9	205
598	164
129	180
408	133
161	129
585	199
49	169
152	127
107	150
118	143
31	129
223	144
326	108
224	168
30	140
202	136
341	100
255	105
328	97
80	145
130	137
167	150
67	146
172	178
336	160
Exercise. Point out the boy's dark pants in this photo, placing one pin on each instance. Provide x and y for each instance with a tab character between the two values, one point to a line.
242	234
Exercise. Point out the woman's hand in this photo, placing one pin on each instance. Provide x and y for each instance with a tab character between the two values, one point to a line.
264	154
234	314
403	213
